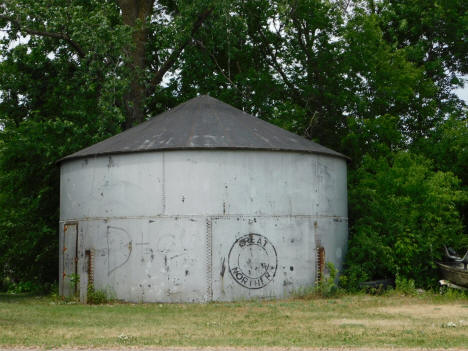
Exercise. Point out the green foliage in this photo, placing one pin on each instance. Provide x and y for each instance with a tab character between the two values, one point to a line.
96	297
51	105
403	213
75	281
378	136
447	146
374	80
405	286
326	287
28	287
451	294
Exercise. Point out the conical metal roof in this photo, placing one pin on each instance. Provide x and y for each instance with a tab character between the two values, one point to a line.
203	123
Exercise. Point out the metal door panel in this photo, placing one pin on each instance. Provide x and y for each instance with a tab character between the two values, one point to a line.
70	258
162	259
261	256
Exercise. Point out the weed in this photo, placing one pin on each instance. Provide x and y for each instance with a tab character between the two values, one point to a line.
450	294
96	297
32	287
405	286
125	339
326	287
75	280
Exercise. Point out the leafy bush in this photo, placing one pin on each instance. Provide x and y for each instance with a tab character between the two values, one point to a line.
449	294
75	281
326	287
33	287
405	286
96	297
402	213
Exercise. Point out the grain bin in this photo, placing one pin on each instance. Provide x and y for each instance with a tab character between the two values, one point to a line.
203	202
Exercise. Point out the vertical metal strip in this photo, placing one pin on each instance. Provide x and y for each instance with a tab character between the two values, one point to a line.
61	259
320	263
163	183
318	246
316	187
209	259
89	254
77	262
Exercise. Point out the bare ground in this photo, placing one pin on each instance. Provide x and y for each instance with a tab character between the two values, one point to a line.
240	349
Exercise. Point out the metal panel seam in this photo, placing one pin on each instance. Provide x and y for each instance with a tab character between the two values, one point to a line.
209	259
198	216
163	182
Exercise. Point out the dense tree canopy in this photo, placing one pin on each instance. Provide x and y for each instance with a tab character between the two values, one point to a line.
371	79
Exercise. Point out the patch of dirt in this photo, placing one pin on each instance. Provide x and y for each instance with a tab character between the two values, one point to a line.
426	311
371	323
237	349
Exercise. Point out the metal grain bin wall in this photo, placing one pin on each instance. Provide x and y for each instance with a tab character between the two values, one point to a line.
229	207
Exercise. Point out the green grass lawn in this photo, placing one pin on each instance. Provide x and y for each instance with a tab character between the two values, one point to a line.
352	321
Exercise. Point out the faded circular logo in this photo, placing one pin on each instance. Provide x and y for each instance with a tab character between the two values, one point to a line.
253	261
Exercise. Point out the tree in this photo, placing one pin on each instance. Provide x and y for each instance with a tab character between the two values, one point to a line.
315	68
283	56
340	78
404	213
71	74
372	79
432	36
116	34
48	109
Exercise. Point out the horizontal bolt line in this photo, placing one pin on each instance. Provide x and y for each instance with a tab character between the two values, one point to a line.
215	217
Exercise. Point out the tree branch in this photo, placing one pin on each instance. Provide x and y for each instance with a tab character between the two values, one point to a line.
276	66
218	66
166	66
63	36
304	44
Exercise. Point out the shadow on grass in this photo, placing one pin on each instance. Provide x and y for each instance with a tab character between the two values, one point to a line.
21	297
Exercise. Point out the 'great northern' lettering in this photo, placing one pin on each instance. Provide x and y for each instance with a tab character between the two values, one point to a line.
253	261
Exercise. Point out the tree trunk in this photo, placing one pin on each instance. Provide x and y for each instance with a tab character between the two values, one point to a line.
135	13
